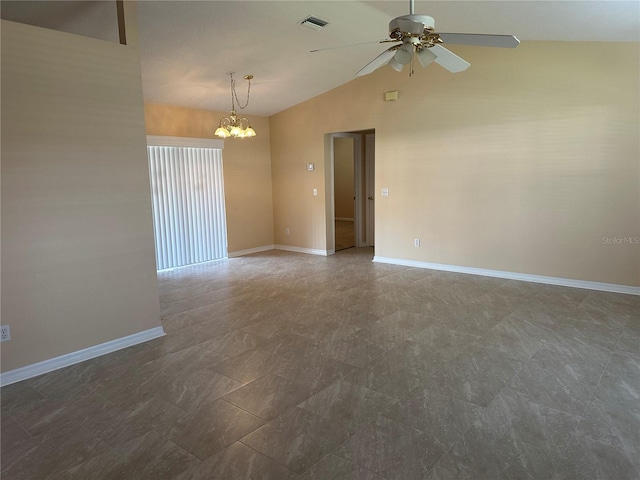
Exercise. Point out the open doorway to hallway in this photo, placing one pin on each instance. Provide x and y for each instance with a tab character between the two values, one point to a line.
353	189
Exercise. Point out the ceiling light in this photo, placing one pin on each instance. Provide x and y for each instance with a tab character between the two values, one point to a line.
404	54
233	126
397	66
425	56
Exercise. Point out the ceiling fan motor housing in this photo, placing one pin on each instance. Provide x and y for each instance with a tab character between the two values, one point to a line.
412	24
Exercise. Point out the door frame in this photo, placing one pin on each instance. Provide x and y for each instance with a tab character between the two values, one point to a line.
357	191
370	188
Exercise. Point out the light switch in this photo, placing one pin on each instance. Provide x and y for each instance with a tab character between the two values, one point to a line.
315	192
385	192
311	167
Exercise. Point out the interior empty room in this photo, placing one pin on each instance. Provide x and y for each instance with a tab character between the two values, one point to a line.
328	240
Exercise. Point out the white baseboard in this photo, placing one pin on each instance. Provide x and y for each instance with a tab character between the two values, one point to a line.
311	251
565	282
249	251
46	366
345	219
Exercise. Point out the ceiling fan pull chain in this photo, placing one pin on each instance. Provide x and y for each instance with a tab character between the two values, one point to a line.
411	66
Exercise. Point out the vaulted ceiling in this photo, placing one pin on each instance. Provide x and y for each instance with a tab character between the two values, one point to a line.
187	48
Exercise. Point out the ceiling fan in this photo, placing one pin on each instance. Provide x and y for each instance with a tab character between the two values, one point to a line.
415	35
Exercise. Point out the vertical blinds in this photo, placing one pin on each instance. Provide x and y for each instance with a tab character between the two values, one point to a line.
189	217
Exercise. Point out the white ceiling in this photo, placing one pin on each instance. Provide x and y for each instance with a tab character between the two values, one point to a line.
187	47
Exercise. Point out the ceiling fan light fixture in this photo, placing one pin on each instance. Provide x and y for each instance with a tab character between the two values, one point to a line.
417	34
404	54
397	66
425	57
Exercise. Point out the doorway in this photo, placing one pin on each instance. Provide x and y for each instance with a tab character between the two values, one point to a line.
353	187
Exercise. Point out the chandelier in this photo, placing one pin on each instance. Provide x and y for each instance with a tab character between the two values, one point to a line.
234	126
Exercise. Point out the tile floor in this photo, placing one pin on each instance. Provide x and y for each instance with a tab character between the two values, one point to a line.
283	366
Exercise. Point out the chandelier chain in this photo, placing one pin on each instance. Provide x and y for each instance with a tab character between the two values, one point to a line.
234	94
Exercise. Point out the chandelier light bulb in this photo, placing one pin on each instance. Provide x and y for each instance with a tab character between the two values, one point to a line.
222	132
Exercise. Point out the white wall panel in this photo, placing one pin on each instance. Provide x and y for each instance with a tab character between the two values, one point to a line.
78	263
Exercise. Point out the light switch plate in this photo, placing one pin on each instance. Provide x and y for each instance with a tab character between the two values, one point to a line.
385	192
311	167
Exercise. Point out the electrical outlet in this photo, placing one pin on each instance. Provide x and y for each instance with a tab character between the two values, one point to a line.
5	333
416	242
286	231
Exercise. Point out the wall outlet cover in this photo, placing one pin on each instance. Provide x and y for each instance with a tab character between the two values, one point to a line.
5	333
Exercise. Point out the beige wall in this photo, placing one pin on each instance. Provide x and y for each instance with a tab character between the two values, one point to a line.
523	163
344	180
78	265
247	170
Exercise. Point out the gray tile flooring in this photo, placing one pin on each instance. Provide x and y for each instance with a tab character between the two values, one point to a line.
288	366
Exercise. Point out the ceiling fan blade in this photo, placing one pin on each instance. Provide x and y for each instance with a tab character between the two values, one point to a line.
448	59
480	40
351	45
377	62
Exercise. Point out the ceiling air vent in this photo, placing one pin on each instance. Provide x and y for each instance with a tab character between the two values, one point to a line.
314	22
